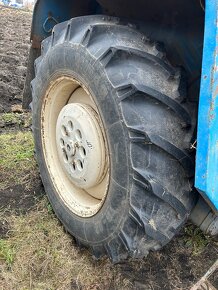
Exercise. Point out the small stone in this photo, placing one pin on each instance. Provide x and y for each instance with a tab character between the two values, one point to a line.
17	109
1	109
21	70
2	124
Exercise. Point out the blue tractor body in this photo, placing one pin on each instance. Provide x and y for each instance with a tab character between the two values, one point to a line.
206	177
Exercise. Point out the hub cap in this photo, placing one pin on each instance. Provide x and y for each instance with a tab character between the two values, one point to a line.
80	145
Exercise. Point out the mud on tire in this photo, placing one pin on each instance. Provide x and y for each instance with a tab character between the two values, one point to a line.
149	125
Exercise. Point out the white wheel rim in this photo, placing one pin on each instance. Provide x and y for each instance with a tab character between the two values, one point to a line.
74	146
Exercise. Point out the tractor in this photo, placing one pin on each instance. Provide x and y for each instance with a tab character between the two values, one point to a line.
124	100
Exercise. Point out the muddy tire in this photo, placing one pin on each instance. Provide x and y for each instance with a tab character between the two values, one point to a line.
147	125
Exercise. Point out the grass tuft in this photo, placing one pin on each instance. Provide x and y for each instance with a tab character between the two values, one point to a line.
11	121
17	164
11	118
7	252
195	239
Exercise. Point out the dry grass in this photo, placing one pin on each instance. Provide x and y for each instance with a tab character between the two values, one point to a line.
39	255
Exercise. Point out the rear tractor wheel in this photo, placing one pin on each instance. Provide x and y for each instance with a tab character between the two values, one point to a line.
112	127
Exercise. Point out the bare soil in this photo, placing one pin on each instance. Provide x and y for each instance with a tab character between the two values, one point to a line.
178	266
14	43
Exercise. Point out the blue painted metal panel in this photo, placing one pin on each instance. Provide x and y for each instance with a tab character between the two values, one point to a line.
206	180
59	10
47	13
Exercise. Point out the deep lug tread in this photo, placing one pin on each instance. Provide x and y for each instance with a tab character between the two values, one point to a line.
98	252
183	158
45	46
67	34
107	56
127	241
109	252
156	61
160	50
149	183
37	64
116	250
133	214
87	36
124	93
150	230
182	87
52	38
144	183
32	86
156	234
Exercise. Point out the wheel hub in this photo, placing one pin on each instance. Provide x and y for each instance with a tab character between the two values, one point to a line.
80	145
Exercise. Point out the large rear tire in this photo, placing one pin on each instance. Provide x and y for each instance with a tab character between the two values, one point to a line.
146	123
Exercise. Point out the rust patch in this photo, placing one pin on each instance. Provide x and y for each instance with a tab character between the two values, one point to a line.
214	95
36	41
214	70
212	78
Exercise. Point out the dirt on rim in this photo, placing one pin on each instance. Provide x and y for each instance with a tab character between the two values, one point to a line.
178	266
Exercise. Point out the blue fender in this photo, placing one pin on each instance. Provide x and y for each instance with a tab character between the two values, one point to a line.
206	177
47	13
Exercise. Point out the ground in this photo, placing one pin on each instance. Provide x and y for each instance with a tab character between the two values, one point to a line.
35	251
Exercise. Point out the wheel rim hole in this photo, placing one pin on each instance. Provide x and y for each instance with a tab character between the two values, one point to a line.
82	152
65	155
79	165
73	167
78	135
68	147
62	143
64	130
70	125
